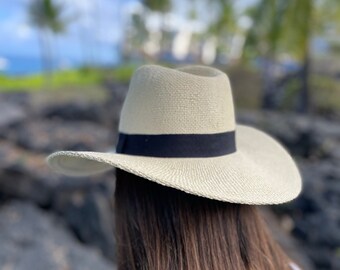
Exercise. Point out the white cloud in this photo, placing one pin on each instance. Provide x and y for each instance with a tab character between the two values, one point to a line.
24	32
132	7
15	27
3	63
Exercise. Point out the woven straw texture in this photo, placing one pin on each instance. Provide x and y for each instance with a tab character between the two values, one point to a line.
260	172
193	100
169	101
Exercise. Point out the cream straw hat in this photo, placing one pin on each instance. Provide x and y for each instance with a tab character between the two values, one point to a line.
177	128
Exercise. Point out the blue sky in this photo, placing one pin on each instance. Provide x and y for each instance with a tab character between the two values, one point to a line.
19	38
97	29
98	23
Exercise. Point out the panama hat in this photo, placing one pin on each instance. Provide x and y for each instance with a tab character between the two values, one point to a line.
177	128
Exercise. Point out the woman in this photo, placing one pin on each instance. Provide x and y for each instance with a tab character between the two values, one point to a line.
162	228
189	178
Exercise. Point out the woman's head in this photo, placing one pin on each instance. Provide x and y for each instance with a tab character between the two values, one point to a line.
160	228
178	128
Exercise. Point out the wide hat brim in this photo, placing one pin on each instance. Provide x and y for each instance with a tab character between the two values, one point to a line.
260	172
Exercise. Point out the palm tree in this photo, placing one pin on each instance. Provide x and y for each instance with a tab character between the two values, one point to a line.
46	16
223	25
162	6
289	25
224	22
140	34
263	39
300	25
158	5
305	19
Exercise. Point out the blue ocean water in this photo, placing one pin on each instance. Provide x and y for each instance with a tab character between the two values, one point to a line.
23	65
19	65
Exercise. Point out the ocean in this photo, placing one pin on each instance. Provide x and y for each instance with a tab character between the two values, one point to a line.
23	65
19	65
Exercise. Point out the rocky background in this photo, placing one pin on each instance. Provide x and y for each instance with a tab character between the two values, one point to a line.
49	221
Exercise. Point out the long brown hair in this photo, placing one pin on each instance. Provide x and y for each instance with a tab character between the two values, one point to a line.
161	228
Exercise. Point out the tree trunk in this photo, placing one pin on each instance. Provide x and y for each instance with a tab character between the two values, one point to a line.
269	87
56	53
46	57
50	54
162	41
85	48
303	104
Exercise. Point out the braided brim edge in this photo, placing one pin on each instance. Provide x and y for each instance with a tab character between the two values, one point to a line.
260	172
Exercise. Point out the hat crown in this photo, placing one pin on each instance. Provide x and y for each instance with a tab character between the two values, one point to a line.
189	100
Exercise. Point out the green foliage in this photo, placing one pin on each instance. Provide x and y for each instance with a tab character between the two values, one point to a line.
266	33
288	25
225	21
140	34
290	93
326	93
299	22
60	79
158	5
69	78
123	74
47	14
28	83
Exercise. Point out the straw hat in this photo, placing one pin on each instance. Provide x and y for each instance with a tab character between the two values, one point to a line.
177	128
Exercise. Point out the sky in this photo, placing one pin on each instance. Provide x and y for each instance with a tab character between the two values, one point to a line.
97	27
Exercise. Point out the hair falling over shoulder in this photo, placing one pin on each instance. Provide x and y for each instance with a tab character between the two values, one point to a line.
160	228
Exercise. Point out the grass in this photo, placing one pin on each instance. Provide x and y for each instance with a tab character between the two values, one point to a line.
325	93
65	79
123	73
57	80
246	84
